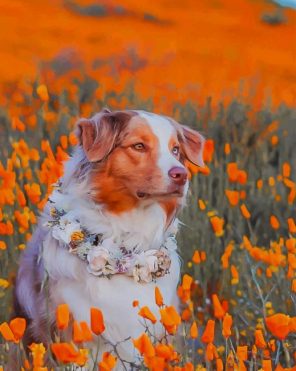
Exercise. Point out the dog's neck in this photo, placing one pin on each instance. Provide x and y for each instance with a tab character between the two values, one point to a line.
143	226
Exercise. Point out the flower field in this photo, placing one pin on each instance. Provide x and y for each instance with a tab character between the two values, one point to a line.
238	241
238	238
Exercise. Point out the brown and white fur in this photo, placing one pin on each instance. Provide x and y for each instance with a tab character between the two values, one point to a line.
126	180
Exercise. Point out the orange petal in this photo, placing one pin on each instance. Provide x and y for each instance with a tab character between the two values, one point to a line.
18	327
193	330
209	332
158	297
96	321
146	313
62	316
6	332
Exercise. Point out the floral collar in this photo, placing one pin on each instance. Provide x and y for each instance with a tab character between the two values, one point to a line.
105	258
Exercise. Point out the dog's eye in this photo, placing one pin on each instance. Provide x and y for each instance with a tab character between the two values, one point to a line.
176	150
138	147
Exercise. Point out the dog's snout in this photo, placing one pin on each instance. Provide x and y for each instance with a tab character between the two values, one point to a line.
178	174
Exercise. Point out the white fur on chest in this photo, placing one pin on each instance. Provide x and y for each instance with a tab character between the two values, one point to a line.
114	297
71	283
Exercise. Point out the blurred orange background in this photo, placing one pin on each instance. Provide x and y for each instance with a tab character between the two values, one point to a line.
171	49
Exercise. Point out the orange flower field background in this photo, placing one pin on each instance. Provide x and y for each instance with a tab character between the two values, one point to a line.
217	48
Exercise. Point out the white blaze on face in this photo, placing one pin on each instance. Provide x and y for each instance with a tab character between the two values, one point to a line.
163	130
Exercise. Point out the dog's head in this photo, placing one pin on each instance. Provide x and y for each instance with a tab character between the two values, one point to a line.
137	157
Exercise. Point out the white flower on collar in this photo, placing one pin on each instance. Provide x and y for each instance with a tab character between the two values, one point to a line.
64	230
97	259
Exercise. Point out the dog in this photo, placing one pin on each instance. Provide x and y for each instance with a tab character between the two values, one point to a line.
107	234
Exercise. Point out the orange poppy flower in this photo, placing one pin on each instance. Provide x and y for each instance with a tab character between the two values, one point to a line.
144	345
259	339
242	355
64	141
33	191
158	297
108	362
186	282
6	332
194	330
274	222
170	319
227	149
77	333
217	225
96	321
13	331
184	295
81	332
165	351
37	351
292	196
267	365
233	197
209	149
219	364
146	313
243	195
291	225
278	325
155	363
196	257
227	253
73	139
291	244
186	314
18	327
34	154
17	124
245	212
87	335
209	332
232	171
242	177
274	140
259	183
21	198
235	275
201	204
135	303
225	305
3	245
211	352
192	169
226	325
42	92
286	170
66	353
203	255
62	316
187	367
218	310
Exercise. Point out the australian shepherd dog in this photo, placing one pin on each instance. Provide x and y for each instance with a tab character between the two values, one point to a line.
107	234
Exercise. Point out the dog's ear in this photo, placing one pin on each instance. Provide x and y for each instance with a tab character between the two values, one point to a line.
98	135
192	143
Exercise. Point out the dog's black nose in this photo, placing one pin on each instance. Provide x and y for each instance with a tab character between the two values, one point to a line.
178	175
